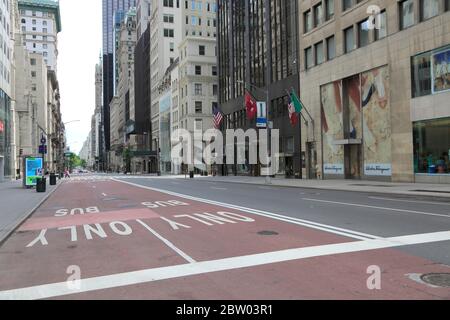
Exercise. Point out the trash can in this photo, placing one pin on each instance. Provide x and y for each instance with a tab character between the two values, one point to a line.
191	174
52	179
41	184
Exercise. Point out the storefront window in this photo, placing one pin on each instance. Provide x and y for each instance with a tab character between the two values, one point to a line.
432	146
430	72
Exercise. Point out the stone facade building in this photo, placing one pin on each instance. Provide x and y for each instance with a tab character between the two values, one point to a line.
375	77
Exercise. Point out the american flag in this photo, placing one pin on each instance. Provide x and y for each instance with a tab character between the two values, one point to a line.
218	117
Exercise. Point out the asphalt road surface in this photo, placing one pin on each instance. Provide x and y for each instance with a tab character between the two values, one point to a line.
102	237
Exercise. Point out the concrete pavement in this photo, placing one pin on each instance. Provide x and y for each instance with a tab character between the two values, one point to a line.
411	189
17	204
144	238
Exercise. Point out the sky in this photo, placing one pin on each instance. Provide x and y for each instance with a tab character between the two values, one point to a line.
79	46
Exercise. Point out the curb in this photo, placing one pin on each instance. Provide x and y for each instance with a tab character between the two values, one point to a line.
381	191
28	215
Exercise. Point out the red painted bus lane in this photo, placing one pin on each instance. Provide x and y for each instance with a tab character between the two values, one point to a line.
118	234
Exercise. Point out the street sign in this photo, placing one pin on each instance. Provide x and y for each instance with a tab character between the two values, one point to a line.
43	149
261	119
33	169
43	140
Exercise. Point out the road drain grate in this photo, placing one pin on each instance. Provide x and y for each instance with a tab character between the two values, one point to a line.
268	233
437	279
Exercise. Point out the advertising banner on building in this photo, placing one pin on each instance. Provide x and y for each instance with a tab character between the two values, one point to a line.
440	66
33	170
377	122
332	128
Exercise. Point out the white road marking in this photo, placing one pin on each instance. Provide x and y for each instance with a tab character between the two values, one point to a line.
104	194
217	188
379	208
173	272
412	201
310	224
167	242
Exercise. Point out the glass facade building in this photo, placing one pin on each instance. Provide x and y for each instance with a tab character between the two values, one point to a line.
109	8
5	135
258	46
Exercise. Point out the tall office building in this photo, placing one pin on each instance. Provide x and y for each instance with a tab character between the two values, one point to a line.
257	48
41	23
110	7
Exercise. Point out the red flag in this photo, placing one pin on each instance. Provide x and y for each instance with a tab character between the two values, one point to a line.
293	115
250	105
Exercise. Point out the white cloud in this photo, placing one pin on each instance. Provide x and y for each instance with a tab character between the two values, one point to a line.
79	46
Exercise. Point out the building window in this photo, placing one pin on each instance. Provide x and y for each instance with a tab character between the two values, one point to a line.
431	72
23	21
44	30
432	146
168	18
198	70
331	48
447	5
346	4
329	9
318	15
308	58
421	75
307	18
198	107
44	23
363	33
215	89
168	33
406	9
318	48
172	47
33	74
214	70
201	50
197	89
428	9
382	31
349	37
33	62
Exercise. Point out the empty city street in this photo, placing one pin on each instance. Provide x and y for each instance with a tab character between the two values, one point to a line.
111	237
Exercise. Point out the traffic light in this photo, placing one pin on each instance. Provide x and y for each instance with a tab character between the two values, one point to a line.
21	152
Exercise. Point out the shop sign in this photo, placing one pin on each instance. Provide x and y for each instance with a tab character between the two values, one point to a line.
333	168
378	169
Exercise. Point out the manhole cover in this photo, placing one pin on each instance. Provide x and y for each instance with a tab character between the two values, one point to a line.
437	279
268	233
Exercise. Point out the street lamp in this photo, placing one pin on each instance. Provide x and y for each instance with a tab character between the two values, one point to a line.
71	121
266	92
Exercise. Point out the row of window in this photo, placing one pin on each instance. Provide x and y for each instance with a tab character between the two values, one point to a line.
321	12
197	21
43	14
198	70
34	21
360	34
34	29
197	5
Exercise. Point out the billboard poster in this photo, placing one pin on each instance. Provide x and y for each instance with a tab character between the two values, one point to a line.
440	66
332	128
376	122
33	170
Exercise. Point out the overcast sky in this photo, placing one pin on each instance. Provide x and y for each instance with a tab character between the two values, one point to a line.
79	46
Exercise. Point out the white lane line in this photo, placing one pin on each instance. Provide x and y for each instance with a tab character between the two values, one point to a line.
217	188
306	223
167	242
379	208
412	201
173	272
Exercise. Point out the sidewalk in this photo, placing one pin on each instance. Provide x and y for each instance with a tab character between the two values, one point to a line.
410	189
18	203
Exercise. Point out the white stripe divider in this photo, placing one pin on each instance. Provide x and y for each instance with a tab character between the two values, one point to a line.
302	222
167	242
378	208
199	268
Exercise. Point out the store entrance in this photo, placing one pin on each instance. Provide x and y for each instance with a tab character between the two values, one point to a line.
352	159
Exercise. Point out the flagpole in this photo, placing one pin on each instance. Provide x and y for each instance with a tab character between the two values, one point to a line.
299	137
